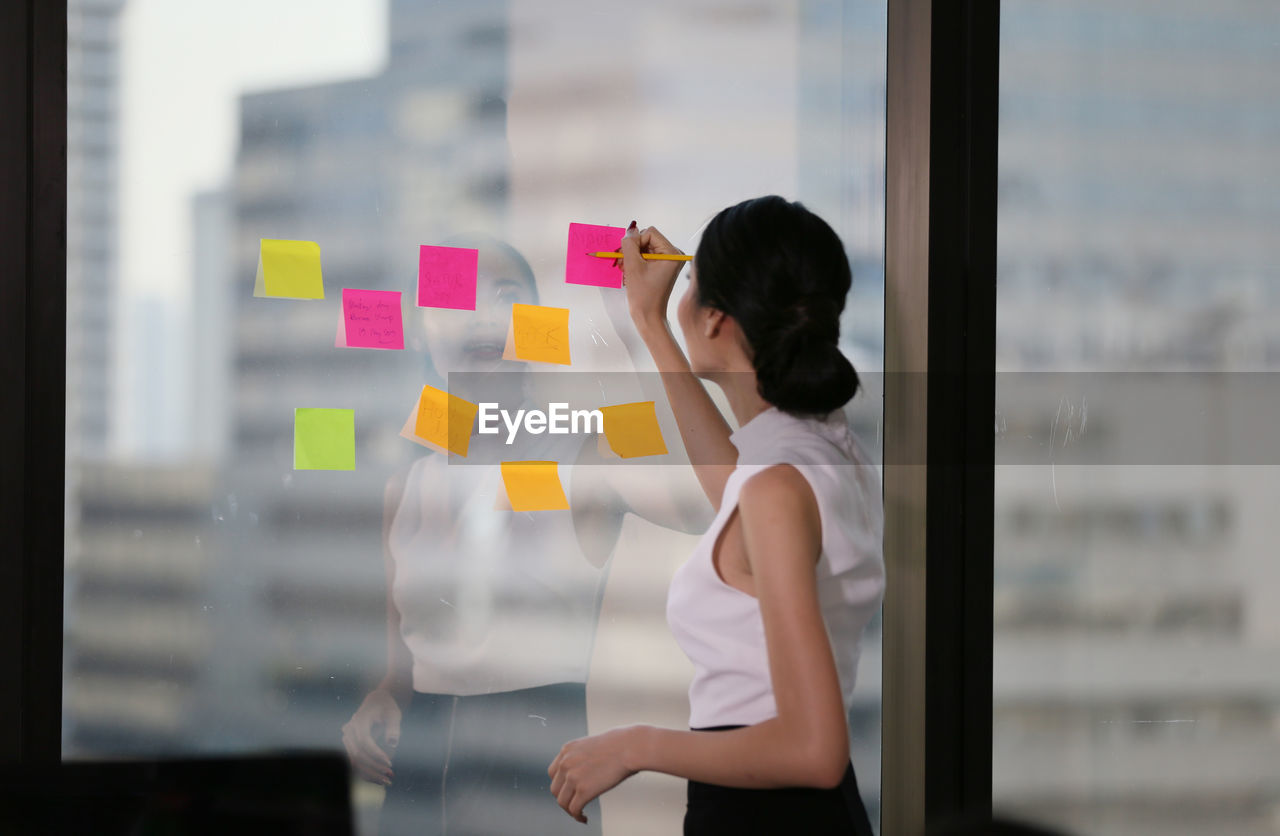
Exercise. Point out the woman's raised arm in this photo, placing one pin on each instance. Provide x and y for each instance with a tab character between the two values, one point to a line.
702	427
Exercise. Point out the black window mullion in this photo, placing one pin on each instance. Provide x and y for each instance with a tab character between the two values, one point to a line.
940	241
961	393
33	197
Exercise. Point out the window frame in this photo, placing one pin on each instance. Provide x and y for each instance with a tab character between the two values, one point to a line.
33	304
940	235
940	249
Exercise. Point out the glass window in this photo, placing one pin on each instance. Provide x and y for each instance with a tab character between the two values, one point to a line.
222	599
1135	689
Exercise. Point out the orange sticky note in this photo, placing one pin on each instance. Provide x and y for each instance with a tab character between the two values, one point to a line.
441	421
632	429
538	333
534	486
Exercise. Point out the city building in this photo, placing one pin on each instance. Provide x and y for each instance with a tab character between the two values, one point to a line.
139	614
1135	639
212	287
93	140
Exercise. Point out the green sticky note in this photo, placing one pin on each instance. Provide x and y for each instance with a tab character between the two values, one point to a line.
324	439
289	270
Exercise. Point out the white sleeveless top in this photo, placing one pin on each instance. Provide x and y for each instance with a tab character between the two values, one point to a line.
490	600
719	627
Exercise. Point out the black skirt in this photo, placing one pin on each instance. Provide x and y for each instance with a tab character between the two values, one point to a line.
713	809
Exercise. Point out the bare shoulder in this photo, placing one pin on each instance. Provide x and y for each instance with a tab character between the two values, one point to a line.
424	470
396	483
594	487
782	484
779	504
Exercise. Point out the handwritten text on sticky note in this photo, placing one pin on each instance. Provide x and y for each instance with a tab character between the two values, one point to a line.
533	486
289	270
580	268
447	277
371	319
444	421
538	333
324	439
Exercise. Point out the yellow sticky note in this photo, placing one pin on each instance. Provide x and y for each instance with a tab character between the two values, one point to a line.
442	421
538	333
534	486
289	270
632	429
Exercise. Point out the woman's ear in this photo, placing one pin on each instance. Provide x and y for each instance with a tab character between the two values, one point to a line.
713	322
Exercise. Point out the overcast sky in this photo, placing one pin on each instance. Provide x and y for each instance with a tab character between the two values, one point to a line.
183	65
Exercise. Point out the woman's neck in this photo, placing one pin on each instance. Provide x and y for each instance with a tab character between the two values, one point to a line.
742	391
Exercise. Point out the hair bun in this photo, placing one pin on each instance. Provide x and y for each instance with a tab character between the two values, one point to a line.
802	372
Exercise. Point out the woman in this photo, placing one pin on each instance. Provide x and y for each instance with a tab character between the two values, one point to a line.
491	614
772	603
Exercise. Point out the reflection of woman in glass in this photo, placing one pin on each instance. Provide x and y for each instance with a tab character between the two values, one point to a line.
772	604
491	613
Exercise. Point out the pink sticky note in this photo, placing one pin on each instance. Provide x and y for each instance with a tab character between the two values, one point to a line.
580	268
371	319
447	277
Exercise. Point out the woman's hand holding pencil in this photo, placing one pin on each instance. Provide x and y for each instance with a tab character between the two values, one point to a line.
648	281
648	256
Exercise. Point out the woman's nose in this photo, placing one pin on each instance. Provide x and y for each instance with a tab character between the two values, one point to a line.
489	315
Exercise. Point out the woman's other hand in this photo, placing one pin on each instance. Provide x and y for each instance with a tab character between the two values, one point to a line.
590	766
377	717
648	283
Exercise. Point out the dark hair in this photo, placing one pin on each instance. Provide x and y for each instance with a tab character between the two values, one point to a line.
781	272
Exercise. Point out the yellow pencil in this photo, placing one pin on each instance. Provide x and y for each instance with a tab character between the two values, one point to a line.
648	256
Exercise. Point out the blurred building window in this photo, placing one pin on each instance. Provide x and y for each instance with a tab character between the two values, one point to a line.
1135	687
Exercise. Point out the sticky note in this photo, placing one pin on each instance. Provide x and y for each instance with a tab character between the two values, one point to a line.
370	319
288	269
632	429
533	486
441	421
538	333
447	277
580	268
324	439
